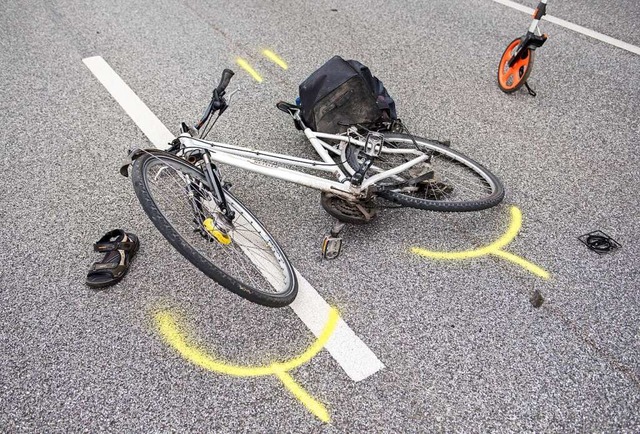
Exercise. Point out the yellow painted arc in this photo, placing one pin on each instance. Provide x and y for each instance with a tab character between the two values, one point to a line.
533	268
514	227
275	58
252	72
315	407
318	345
170	332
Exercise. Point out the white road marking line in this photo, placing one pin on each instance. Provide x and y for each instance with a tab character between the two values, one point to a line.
138	111
576	28
357	360
353	355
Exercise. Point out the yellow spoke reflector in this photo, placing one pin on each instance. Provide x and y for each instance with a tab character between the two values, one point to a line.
275	58
252	72
210	226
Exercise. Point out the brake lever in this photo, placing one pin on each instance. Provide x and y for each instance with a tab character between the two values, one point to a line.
226	102
231	95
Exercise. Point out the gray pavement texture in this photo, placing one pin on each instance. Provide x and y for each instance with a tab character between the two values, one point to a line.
464	349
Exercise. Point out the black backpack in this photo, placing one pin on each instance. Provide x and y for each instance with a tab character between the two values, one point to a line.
342	93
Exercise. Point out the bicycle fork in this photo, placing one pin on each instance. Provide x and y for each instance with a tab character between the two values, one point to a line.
213	177
218	226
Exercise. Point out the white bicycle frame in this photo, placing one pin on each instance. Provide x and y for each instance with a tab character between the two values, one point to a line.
263	162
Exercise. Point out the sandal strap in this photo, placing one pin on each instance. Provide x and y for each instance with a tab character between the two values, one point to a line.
112	234
115	270
103	266
109	247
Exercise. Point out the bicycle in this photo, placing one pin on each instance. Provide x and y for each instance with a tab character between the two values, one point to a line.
517	59
183	194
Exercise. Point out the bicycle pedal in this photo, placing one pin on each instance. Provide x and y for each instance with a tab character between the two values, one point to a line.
331	247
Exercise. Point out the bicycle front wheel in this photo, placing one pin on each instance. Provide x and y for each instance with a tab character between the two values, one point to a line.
244	259
448	181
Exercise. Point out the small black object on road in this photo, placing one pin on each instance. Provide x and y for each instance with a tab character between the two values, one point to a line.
599	242
536	299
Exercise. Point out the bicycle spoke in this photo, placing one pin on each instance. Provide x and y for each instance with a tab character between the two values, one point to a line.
249	254
465	183
468	184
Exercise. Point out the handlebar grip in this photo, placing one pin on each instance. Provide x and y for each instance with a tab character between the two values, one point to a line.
224	81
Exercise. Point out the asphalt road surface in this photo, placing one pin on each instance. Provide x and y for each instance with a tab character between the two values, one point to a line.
463	348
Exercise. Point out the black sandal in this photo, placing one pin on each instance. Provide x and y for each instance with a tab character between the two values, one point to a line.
121	247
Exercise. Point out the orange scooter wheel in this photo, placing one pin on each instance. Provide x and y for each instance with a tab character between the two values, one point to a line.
512	78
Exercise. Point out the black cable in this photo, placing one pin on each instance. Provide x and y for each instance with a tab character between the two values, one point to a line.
599	242
207	123
415	144
211	127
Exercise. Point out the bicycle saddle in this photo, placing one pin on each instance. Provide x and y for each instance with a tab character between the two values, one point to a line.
287	108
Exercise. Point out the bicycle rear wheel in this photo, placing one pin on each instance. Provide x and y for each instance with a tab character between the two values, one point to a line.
245	259
448	182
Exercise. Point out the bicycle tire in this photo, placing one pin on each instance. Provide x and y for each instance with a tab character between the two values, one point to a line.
490	189
262	260
512	79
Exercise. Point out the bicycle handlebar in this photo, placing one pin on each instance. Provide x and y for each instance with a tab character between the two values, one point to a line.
224	81
217	101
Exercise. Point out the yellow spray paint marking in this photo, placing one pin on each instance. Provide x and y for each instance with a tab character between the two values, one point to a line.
494	248
275	58
169	330
252	72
